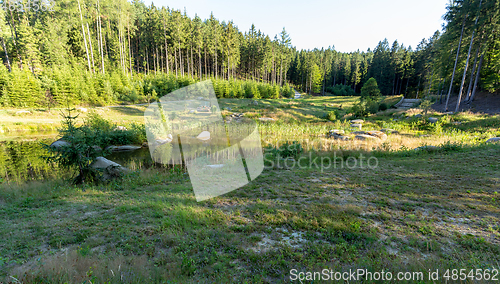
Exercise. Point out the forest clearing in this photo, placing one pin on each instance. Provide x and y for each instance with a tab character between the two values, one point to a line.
382	160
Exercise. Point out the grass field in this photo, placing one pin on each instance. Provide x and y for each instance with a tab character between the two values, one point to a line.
433	210
308	109
413	211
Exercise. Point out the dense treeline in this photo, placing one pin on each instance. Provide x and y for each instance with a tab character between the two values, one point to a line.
102	51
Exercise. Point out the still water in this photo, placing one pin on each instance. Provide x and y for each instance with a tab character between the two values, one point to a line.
21	157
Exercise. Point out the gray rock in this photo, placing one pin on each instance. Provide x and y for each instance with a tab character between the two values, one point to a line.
110	168
417	115
123	148
358	132
160	141
120	128
335	133
255	102
493	140
192	111
60	143
357	125
379	134
364	137
266	119
343	138
228	108
357	121
433	119
427	148
390	131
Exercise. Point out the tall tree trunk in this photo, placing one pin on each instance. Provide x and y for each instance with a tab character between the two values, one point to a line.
281	71
199	63
188	62
455	67
147	60
129	50
205	58
430	84
6	53
477	78
467	61
84	37
91	48
157	68
121	50
175	59
166	45
192	63
100	38
216	57
467	96
15	39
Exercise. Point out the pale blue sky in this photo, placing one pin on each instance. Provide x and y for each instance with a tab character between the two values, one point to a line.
346	24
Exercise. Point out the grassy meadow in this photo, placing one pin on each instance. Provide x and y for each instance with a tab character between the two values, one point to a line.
438	208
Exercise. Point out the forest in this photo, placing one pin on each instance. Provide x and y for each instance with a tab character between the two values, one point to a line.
99	52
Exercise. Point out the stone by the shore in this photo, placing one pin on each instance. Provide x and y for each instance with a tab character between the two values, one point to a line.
356	125
379	134
110	168
494	139
123	148
59	143
364	137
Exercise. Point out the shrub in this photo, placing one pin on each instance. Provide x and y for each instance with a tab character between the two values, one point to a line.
332	115
372	107
80	152
341	90
382	107
425	105
359	109
370	89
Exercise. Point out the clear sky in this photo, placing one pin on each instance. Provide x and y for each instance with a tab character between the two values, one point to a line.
347	25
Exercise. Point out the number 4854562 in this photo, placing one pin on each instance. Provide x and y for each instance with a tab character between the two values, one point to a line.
30	5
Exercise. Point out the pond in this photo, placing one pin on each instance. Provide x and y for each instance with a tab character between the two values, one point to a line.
21	156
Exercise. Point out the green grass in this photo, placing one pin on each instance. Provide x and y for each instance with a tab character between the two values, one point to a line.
417	210
415	214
